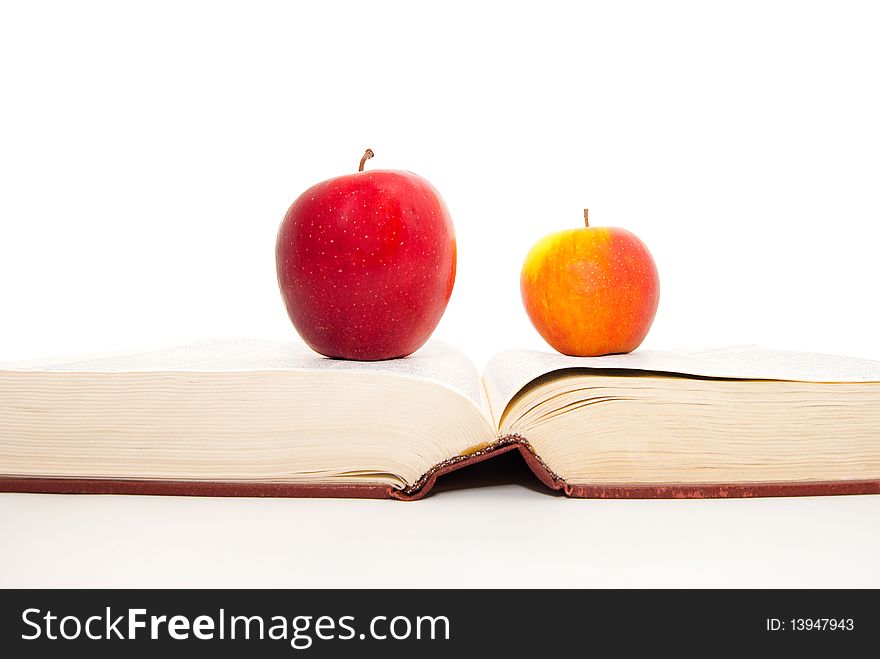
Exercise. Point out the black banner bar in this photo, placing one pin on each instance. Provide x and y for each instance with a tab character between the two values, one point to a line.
432	623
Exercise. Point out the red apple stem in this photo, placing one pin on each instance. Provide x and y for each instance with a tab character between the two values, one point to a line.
367	155
586	217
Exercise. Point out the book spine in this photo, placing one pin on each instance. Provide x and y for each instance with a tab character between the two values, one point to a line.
504	445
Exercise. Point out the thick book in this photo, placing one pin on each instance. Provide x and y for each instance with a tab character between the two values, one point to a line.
256	418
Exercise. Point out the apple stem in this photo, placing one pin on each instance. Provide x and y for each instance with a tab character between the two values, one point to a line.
367	155
586	217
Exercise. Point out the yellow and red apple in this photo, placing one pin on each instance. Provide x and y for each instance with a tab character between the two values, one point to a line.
591	291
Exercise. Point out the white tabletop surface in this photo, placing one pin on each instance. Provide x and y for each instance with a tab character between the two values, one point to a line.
503	535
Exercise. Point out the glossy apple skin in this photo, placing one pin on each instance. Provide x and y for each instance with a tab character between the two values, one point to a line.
366	264
591	291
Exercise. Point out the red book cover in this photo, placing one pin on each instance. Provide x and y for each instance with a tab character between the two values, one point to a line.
425	485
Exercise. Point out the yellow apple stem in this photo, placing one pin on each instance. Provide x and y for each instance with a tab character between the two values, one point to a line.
367	155
586	216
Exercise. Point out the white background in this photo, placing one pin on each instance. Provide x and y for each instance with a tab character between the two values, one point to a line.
149	150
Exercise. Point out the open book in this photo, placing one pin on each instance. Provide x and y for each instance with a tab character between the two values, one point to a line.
272	419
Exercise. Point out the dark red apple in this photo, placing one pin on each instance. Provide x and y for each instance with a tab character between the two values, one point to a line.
366	263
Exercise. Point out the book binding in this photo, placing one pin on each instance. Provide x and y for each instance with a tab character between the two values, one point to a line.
425	484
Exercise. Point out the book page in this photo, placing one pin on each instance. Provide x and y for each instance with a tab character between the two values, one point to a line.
435	361
507	373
